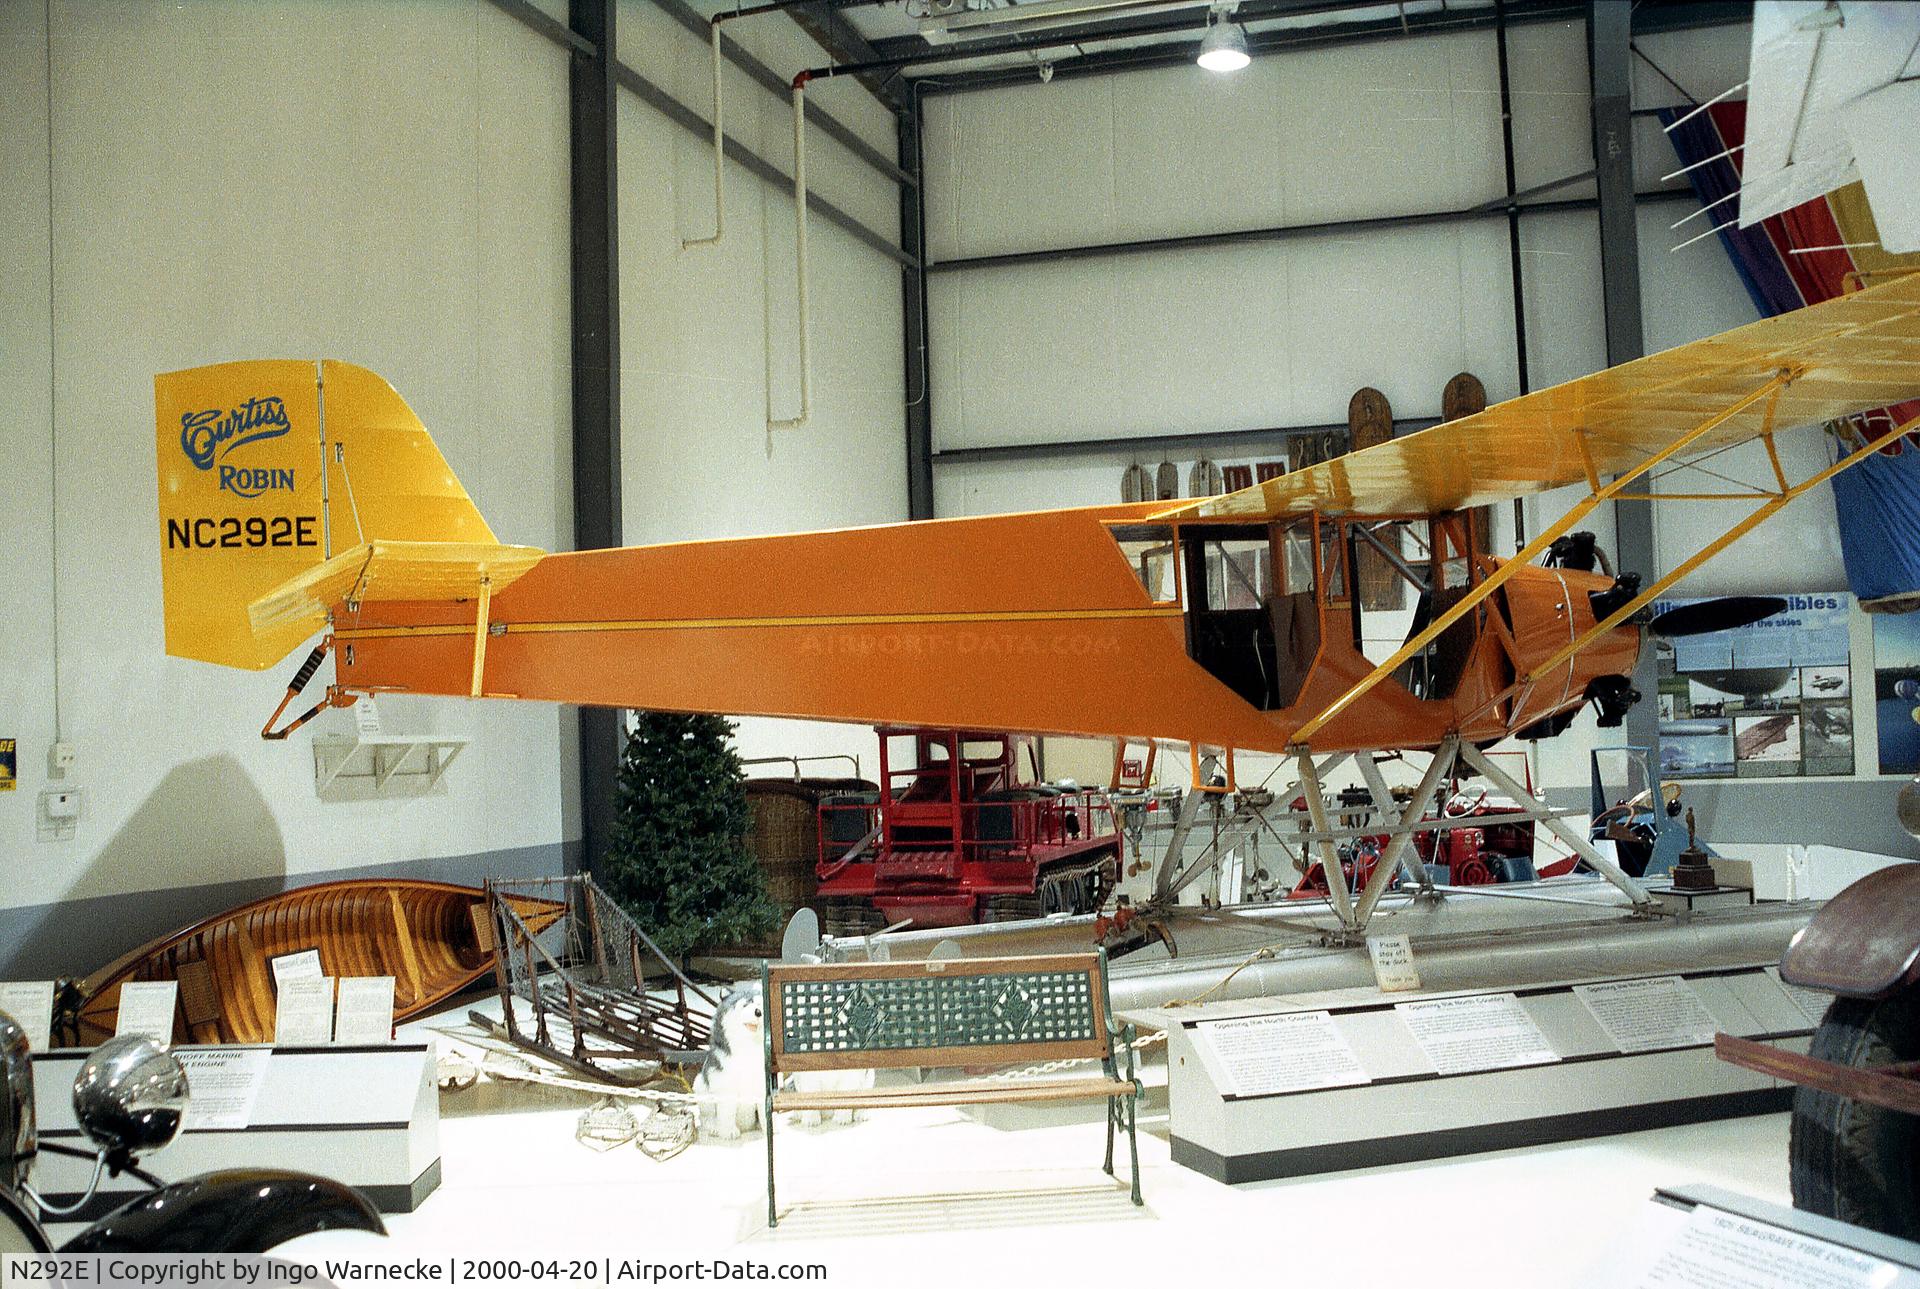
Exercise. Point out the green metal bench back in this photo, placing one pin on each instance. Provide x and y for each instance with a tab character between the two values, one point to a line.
952	1012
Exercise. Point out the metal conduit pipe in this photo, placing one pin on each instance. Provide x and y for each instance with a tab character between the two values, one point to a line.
962	50
749	11
800	257
719	149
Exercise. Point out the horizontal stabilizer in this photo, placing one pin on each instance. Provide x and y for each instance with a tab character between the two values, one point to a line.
434	571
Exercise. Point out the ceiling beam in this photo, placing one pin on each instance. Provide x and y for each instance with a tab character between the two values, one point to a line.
1646	19
1135	25
822	21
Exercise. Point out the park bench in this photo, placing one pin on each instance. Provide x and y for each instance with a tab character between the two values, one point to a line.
947	1013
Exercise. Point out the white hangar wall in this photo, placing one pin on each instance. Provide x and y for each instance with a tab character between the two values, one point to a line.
233	182
1281	332
386	184
1278	332
709	335
1275	333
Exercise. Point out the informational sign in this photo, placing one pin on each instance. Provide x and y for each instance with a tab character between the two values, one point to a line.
1768	700
1813	1003
30	1003
222	1085
146	1007
1717	1250
1253	1056
1478	1032
365	1013
1896	690
1649	1015
1393	968
9	764
304	965
303	1015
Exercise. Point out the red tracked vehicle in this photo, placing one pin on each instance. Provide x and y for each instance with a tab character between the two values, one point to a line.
962	831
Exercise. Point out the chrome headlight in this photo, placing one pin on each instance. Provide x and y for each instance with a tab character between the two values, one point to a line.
130	1095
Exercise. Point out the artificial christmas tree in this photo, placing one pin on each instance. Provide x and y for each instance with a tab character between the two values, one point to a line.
678	862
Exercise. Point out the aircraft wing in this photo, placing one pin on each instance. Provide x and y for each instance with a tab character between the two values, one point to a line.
1825	106
1854	353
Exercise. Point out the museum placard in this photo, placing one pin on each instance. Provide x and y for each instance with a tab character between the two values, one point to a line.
303	1014
1253	1056
1649	1015
364	1012
1717	1250
1812	1003
1476	1032
146	1007
30	1004
225	1082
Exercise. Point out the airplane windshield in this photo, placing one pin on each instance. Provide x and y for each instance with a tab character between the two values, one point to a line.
1239	573
1149	551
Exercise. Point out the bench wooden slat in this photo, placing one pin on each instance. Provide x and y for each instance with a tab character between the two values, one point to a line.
934	1058
939	1094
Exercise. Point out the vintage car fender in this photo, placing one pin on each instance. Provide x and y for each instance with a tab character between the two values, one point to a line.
1866	942
241	1210
18	1141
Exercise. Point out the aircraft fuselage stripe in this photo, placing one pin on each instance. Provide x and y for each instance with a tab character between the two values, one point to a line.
713	624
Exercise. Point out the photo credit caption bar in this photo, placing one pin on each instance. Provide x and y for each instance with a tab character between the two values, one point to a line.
189	1271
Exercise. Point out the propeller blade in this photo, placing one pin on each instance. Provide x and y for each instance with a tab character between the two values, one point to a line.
1723	614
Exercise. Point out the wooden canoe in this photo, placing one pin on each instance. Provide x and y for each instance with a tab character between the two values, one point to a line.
426	935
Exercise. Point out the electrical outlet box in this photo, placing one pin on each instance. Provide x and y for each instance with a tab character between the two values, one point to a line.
59	759
60	811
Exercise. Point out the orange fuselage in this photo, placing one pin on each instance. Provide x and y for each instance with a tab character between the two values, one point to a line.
1034	623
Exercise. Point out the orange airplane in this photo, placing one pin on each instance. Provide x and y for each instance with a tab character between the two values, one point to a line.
300	497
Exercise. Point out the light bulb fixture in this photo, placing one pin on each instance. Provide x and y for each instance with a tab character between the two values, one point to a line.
1224	47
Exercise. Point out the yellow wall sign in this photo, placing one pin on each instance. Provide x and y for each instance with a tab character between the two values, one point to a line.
7	764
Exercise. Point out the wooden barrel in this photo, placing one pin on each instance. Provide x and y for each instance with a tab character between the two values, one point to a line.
783	833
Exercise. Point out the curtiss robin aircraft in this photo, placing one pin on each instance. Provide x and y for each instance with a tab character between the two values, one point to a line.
300	497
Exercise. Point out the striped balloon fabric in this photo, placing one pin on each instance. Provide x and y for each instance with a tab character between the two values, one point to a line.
1815	251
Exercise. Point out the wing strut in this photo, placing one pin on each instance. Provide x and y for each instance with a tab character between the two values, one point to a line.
1568	835
1546	537
1774	503
480	628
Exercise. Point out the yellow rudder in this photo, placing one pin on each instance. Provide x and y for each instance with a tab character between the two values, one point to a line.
268	468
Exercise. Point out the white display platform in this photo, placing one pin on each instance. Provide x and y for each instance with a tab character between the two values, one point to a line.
1284	1093
368	1116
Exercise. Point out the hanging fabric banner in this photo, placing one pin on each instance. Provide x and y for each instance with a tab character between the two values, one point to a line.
1813	252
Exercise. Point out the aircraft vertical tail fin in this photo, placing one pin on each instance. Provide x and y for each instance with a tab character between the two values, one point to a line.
278	479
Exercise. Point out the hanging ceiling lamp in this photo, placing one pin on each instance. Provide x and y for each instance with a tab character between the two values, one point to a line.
1224	47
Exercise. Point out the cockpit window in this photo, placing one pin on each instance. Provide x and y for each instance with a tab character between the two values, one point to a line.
1239	573
1149	552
